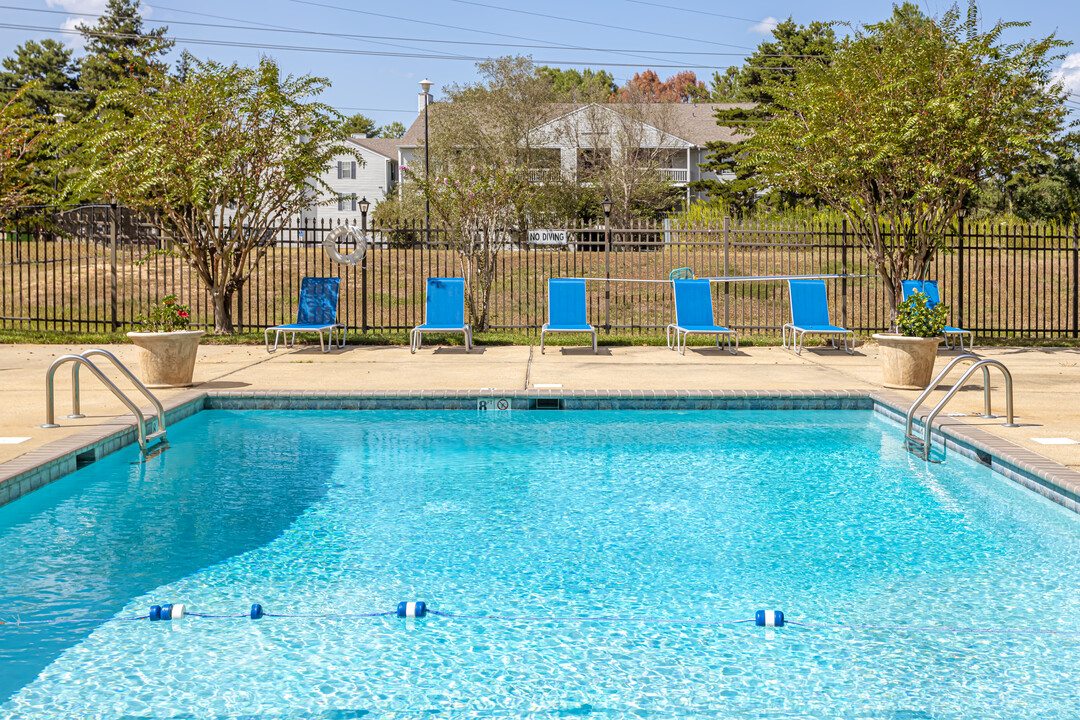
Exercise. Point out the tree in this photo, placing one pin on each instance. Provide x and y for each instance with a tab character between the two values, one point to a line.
742	185
620	151
219	162
49	66
778	61
478	206
574	86
117	47
392	130
492	117
20	134
773	62
360	125
904	123
489	124
647	87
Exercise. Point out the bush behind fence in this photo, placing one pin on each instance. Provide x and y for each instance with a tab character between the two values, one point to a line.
97	270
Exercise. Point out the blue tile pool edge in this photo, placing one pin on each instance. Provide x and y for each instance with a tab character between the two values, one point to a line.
50	462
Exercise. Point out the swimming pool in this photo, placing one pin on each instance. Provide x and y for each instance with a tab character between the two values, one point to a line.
636	517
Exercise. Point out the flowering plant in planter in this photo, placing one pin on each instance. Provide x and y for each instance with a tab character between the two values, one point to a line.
915	317
169	315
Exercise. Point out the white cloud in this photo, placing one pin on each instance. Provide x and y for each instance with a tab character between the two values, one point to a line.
74	40
1068	74
765	27
91	7
79	6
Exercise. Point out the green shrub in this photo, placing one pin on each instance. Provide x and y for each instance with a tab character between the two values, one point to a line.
916	318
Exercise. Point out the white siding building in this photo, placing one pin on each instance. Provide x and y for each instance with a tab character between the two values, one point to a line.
374	178
674	134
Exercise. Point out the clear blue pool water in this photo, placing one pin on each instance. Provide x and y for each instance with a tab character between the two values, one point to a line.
665	515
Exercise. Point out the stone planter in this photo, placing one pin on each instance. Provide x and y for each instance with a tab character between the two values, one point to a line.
907	363
167	359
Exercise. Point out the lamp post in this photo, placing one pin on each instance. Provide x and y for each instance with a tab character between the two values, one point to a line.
364	205
606	205
425	85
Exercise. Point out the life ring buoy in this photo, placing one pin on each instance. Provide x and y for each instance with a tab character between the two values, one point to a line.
332	238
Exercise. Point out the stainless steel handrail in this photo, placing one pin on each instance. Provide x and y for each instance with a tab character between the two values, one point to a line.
50	416
76	411
941	376
979	364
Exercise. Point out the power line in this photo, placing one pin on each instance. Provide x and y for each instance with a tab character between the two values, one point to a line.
451	27
266	27
596	24
689	10
350	51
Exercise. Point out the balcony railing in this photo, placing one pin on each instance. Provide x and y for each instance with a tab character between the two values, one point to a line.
542	175
675	175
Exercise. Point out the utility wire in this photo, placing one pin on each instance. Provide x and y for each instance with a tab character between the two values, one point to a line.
597	24
266	27
689	10
348	51
451	27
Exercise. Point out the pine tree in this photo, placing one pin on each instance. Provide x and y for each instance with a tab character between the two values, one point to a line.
49	66
774	63
118	47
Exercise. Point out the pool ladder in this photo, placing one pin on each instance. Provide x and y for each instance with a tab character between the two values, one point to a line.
921	446
149	443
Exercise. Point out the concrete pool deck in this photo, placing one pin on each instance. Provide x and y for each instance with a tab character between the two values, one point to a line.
1047	380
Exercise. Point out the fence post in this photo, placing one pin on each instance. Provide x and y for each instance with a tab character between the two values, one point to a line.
240	309
1076	281
113	231
960	271
727	285
844	272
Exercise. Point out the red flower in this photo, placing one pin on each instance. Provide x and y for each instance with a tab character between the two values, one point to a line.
183	314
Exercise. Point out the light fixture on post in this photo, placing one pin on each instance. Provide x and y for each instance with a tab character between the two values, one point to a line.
425	85
363	205
606	205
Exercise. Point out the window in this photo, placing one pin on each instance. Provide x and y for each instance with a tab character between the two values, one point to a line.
346	170
344	200
590	160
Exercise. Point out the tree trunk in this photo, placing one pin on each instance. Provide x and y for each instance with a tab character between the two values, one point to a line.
222	299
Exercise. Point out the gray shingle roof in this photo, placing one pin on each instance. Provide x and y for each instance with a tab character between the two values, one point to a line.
387	147
693	122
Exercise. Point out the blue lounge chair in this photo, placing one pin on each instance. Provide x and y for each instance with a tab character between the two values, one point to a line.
810	315
694	314
566	309
444	311
316	312
933	297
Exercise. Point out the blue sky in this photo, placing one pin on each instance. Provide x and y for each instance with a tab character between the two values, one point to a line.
376	76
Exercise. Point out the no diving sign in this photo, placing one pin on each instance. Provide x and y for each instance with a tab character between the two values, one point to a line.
493	404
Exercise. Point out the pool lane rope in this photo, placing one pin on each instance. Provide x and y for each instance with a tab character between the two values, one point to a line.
415	609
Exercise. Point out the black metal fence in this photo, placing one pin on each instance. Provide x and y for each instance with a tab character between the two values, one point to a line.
96	269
